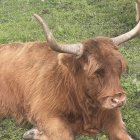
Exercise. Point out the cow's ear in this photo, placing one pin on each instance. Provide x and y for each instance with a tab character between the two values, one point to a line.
69	61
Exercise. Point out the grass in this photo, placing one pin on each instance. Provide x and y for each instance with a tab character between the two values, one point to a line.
75	21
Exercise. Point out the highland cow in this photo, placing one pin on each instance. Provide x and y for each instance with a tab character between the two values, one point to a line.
65	89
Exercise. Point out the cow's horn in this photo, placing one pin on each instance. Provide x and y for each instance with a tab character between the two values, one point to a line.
131	34
76	49
137	10
127	36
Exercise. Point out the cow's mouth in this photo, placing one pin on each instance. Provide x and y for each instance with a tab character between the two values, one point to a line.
111	102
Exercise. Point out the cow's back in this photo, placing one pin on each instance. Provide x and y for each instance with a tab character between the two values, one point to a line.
20	66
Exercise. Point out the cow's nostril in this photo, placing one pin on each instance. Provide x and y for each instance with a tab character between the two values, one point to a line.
119	94
114	100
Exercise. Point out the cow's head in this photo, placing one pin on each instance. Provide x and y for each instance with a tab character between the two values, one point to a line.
103	69
101	62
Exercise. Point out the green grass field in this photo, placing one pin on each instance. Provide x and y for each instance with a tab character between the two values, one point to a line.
74	21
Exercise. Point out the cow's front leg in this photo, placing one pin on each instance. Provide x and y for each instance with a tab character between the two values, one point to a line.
34	134
54	128
50	129
114	126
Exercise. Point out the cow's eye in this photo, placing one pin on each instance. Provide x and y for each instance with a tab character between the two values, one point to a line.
100	72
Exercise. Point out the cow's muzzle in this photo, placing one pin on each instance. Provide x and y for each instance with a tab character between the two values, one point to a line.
115	101
118	100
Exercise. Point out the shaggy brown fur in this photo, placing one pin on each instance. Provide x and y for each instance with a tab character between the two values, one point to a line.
61	95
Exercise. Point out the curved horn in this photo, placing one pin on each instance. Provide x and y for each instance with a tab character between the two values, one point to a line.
137	10
134	32
76	49
127	36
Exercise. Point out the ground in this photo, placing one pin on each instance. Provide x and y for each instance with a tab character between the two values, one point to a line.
75	21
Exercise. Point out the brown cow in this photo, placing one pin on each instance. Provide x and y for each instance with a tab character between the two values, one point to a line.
65	90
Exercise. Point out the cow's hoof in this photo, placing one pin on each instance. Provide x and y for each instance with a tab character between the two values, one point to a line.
32	134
